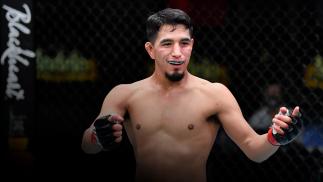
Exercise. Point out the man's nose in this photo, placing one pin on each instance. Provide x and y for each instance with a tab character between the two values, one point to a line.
176	52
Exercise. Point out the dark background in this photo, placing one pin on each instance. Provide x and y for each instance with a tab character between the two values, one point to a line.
258	42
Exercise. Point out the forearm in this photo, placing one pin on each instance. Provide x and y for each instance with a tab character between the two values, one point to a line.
88	146
260	149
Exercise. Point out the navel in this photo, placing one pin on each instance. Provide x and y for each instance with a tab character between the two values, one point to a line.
190	126
138	126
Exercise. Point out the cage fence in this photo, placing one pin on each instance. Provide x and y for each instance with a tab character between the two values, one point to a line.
84	48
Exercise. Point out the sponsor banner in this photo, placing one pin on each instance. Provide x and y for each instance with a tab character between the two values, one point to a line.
17	64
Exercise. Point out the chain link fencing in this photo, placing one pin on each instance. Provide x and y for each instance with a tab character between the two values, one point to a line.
84	48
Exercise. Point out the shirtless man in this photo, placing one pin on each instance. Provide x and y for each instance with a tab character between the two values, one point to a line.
172	113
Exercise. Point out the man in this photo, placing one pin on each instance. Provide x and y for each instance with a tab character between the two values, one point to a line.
174	116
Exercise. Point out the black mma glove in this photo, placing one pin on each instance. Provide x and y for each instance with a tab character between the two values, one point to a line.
290	133
104	133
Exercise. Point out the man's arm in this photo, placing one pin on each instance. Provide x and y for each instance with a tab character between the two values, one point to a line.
113	109
255	146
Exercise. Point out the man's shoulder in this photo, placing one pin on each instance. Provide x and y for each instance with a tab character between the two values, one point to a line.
212	86
129	87
212	90
206	83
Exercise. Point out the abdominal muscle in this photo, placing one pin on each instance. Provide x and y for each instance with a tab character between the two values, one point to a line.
162	157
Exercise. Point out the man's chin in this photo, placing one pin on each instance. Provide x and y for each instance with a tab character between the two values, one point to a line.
174	77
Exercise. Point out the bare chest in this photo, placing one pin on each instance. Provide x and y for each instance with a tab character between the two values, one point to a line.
181	114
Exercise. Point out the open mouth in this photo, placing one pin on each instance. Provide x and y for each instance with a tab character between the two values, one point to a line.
172	62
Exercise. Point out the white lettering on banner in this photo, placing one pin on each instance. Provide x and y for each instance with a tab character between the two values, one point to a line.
14	54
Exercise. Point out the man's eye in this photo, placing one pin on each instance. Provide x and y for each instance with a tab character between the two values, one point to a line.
185	43
166	44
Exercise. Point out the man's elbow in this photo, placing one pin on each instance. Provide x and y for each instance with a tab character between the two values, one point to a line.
259	159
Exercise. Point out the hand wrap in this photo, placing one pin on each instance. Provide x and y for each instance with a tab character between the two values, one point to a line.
104	133
290	133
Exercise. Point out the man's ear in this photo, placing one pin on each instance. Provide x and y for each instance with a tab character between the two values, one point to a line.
149	48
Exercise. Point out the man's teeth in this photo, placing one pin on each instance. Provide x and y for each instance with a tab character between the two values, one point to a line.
176	62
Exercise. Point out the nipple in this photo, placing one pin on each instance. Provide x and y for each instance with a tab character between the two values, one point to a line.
190	126
138	126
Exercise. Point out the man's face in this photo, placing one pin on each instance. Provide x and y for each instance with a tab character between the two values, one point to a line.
171	51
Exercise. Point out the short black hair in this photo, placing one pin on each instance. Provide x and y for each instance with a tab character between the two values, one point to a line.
167	16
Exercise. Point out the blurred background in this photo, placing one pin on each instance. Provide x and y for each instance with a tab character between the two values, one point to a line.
60	58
